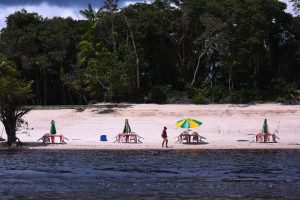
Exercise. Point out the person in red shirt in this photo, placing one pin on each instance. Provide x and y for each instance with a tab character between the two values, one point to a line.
164	137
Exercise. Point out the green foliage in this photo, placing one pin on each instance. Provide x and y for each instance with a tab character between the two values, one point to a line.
191	91
280	100
199	98
243	96
12	90
158	95
218	93
231	51
13	95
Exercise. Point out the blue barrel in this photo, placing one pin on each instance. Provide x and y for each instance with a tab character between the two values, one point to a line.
103	138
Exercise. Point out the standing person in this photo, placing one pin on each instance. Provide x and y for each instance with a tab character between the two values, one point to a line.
164	137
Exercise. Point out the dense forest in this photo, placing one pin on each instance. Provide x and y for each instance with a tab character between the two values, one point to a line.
169	51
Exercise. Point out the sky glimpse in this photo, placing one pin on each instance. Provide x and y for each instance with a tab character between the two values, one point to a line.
51	8
62	8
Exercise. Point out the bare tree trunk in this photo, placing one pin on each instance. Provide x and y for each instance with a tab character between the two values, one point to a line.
112	34
230	83
37	89
137	62
197	67
45	87
202	53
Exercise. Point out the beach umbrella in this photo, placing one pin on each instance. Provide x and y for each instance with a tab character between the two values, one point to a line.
127	128
265	128
188	123
53	129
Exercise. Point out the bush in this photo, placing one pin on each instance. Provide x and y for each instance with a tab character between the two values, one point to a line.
218	93
157	95
280	100
200	99
242	96
191	91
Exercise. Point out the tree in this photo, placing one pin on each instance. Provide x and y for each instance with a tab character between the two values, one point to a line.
106	14
296	5
43	50
211	37
89	13
13	95
137	61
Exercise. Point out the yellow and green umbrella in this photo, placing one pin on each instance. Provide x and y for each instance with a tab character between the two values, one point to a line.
188	123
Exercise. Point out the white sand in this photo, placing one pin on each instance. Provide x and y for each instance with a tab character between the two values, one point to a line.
223	126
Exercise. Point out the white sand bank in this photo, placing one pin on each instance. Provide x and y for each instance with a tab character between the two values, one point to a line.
224	126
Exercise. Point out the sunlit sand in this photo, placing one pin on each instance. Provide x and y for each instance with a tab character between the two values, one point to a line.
224	126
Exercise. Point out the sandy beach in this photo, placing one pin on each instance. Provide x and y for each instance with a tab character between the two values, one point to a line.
224	126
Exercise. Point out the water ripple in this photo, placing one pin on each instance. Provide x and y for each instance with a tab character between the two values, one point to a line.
149	174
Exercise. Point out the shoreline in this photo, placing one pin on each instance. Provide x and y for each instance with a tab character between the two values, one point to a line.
263	149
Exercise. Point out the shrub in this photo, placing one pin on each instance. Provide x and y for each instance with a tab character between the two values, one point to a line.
157	95
218	93
280	100
191	91
200	99
242	96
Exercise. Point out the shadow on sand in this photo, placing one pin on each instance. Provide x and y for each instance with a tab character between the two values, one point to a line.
242	105
109	108
196	143
24	145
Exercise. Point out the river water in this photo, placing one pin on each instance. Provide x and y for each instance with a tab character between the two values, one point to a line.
175	174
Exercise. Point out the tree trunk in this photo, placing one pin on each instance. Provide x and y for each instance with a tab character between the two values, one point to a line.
197	67
112	34
10	129
137	62
37	89
202	53
45	87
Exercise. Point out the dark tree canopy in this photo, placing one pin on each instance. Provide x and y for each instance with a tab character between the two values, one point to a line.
197	51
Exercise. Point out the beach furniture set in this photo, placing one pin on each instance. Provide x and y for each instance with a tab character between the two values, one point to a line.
266	137
189	137
50	138
128	138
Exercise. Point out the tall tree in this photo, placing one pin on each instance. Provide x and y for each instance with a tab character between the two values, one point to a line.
107	14
13	95
212	36
89	13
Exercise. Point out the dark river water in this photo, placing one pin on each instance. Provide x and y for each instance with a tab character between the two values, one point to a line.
188	174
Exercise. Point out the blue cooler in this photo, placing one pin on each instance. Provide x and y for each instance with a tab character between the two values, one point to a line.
103	138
